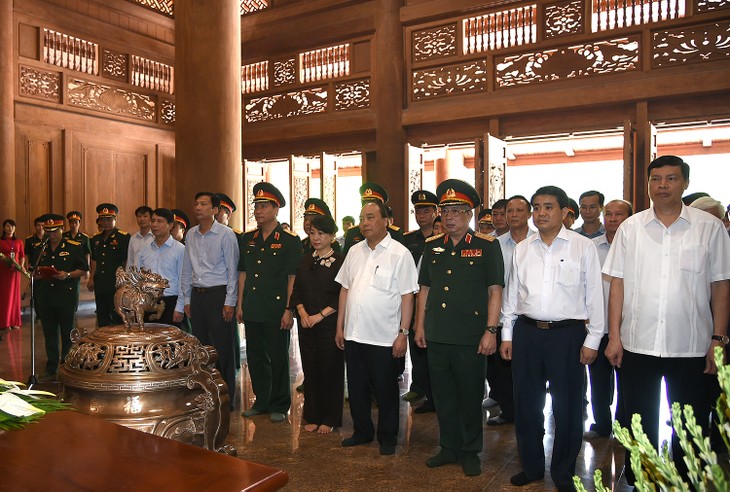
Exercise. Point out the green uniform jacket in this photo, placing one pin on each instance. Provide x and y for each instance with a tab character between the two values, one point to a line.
415	241
353	235
458	277
108	254
80	238
268	264
32	247
68	256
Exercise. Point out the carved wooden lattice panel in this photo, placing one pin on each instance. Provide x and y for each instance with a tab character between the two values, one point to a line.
297	103
691	44
601	57
70	52
434	43
40	84
162	6
285	72
90	95
249	6
614	14
352	95
300	193
496	30
453	79
563	19
255	77
150	74
114	64
325	63
167	111
711	5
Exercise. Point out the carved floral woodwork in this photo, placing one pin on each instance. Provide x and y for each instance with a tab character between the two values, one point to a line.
167	111
352	95
601	57
296	103
285	72
711	5
300	193
691	44
434	43
114	64
99	97
563	19
452	79
40	84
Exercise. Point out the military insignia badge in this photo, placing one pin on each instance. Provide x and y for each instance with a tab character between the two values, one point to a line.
276	246
438	250
64	253
471	253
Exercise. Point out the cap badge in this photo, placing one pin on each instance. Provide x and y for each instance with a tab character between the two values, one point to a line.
422	196
450	193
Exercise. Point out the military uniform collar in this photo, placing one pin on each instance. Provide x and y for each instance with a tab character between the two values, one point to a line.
465	241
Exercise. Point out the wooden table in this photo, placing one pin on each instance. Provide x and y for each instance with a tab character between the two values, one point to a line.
71	451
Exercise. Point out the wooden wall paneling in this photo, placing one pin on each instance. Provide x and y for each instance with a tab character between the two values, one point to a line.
165	169
29	41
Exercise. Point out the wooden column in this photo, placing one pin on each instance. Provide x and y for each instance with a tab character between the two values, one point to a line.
645	152
7	123
390	168
208	100
442	168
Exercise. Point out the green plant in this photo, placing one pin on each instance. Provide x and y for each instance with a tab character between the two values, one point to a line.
19	407
655	470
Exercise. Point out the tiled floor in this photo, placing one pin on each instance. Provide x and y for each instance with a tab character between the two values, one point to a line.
318	462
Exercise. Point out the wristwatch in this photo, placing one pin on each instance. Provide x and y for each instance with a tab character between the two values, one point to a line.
401	331
723	338
492	329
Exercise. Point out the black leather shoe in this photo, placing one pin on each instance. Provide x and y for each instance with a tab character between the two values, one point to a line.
471	465
354	441
498	420
443	457
387	449
521	479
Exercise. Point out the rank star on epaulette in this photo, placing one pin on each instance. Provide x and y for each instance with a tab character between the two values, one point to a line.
471	253
484	236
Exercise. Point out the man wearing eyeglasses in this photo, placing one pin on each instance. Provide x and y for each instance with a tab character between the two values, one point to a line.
461	280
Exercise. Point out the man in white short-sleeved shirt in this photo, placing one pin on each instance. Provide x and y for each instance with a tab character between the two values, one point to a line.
669	301
378	281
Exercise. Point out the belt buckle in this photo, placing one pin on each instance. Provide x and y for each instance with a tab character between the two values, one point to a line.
543	325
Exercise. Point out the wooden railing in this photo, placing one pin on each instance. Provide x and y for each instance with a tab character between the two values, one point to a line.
255	77
153	75
70	52
324	63
615	14
496	30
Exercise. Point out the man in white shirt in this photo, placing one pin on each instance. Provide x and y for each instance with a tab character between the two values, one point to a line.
553	296
601	371
164	255
591	206
143	237
669	301
378	281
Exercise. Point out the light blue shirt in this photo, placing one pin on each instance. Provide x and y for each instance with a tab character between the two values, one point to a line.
211	259
167	260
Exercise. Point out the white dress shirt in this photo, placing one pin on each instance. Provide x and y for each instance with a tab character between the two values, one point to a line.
556	282
603	246
375	280
667	273
167	260
136	243
507	243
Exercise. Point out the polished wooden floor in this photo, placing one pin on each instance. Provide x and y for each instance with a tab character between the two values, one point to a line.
318	462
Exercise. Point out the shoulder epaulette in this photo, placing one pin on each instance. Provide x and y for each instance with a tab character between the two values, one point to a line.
236	231
291	233
29	236
123	233
71	241
484	236
411	232
433	238
251	230
393	227
97	234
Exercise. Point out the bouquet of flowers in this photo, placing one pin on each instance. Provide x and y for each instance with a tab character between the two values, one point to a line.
19	407
12	263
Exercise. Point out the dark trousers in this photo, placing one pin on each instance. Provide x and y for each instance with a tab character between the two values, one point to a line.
105	313
420	379
603	381
166	317
323	364
642	377
457	382
57	322
371	369
267	352
206	319
500	383
539	356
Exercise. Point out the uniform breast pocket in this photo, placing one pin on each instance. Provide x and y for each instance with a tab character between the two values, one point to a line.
568	273
382	278
692	258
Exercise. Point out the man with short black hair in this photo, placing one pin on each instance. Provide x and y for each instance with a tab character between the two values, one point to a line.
669	302
553	298
348	222
499	217
33	243
143	216
74	232
591	206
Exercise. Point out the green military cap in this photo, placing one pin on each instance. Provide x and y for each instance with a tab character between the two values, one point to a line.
316	206
457	192
485	216
266	192
107	210
51	222
226	202
74	215
179	216
423	198
373	191
573	208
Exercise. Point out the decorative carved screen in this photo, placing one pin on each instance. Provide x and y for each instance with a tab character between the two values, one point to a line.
325	63
249	6
496	30
255	77
691	44
70	52
296	103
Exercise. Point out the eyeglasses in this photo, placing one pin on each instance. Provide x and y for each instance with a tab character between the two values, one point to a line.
452	212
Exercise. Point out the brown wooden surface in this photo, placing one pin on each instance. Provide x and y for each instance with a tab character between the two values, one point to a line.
71	451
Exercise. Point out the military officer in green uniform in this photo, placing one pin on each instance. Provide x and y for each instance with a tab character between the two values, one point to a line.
370	192
461	278
108	252
61	265
266	278
33	243
74	232
425	206
312	208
